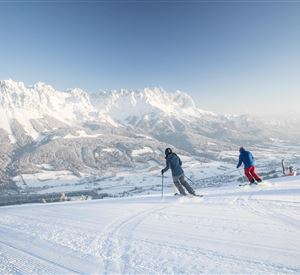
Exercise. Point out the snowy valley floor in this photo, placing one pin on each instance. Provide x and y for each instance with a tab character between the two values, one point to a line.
229	230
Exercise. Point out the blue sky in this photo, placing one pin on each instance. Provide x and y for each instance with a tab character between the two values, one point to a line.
230	56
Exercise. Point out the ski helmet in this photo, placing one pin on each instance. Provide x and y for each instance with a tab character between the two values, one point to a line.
242	149
168	151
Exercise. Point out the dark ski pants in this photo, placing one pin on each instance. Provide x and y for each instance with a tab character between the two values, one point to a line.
179	181
251	174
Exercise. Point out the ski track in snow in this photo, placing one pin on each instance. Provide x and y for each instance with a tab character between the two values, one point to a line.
118	237
16	261
230	230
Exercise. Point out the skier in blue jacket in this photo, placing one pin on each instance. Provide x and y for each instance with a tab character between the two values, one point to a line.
247	159
174	162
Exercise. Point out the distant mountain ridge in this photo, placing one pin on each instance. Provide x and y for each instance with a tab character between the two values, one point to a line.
126	103
25	103
77	131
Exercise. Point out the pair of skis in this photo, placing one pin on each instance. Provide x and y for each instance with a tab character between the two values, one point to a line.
176	194
248	184
188	195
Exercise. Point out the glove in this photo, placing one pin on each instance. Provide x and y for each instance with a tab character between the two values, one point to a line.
162	171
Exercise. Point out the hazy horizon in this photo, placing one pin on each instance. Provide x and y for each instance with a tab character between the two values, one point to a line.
231	57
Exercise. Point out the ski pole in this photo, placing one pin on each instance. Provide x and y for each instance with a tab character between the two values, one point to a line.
229	172
162	186
189	179
243	179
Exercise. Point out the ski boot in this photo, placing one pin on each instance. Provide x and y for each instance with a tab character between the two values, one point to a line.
252	182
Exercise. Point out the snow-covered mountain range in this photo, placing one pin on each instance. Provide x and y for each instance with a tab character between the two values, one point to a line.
110	130
34	106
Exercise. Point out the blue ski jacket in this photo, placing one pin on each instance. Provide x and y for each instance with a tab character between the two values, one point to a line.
247	158
173	162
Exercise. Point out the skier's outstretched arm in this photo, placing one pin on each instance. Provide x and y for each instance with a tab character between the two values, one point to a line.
240	162
166	168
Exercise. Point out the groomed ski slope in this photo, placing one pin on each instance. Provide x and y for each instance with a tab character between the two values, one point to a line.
230	230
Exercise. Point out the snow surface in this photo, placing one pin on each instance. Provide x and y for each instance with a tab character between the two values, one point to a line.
138	152
81	134
49	178
230	230
144	180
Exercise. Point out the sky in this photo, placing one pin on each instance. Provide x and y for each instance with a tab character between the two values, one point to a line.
230	56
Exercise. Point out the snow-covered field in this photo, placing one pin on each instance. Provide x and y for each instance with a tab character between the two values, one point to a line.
145	177
116	183
230	230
